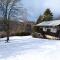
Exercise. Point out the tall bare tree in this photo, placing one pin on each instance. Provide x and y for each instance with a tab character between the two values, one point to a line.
8	7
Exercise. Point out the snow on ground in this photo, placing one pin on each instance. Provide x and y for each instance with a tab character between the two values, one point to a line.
28	48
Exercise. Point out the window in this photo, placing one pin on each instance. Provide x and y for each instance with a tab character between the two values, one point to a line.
48	30
54	30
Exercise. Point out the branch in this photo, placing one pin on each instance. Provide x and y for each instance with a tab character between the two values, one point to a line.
11	7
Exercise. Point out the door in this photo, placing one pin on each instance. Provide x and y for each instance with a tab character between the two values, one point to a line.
48	30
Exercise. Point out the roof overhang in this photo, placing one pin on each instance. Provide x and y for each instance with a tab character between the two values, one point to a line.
52	23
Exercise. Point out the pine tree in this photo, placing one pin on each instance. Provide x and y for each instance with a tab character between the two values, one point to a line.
47	16
39	19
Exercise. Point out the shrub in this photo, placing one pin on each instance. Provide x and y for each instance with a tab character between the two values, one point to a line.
34	35
22	34
2	36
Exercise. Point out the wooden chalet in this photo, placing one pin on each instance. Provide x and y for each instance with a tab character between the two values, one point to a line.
48	29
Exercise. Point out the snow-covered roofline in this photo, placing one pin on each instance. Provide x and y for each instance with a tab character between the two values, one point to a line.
49	23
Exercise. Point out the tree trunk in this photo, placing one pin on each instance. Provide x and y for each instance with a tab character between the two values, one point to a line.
7	38
7	32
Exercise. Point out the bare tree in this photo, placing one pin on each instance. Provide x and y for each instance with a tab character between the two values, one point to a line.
8	7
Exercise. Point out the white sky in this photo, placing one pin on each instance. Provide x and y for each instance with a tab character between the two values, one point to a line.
36	7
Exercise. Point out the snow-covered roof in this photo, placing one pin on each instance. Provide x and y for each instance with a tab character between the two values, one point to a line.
49	23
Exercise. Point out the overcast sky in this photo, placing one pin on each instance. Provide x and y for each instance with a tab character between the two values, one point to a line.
37	7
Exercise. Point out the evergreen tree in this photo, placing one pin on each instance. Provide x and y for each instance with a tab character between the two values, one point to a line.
39	19
47	15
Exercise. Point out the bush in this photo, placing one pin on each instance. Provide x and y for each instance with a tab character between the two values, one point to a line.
34	35
2	36
22	34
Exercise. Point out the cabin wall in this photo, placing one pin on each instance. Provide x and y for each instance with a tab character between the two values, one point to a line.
53	30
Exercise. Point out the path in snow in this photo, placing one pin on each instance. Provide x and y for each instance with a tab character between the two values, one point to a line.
28	48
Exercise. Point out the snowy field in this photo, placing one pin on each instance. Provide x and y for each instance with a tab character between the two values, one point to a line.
28	48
